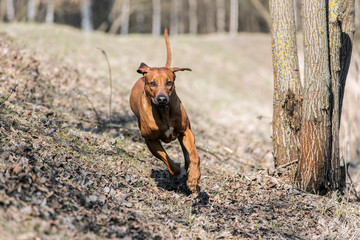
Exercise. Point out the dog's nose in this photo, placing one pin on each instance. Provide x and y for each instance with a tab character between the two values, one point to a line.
162	99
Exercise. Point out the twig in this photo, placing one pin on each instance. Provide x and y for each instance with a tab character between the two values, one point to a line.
110	80
7	98
114	125
287	164
78	91
228	157
211	153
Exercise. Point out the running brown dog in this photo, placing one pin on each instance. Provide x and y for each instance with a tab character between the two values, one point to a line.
161	116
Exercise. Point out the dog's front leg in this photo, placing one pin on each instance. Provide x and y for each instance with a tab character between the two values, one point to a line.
158	151
192	159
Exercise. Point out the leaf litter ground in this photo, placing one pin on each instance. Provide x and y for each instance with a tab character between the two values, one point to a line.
66	175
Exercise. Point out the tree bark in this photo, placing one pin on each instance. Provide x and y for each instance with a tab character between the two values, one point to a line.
341	35
10	10
156	18
125	14
50	12
220	15
193	20
315	133
287	86
234	16
86	18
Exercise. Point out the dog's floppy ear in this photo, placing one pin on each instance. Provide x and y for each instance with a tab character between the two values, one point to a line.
143	68
175	69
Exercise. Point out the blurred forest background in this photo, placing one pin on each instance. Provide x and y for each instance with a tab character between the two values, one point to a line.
148	16
144	16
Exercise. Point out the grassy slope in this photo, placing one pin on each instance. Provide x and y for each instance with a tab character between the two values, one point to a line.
61	177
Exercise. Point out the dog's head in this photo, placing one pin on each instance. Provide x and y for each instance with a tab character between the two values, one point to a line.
159	83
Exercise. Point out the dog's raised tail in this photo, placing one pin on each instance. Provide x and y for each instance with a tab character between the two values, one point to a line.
168	49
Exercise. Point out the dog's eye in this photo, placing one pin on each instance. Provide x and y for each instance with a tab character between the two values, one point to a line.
152	84
169	83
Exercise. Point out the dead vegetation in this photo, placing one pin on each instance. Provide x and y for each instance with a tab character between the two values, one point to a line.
62	176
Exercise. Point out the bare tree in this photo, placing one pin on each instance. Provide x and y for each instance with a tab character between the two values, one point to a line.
140	18
263	11
10	10
287	87
234	17
2	10
86	16
156	18
210	16
174	17
193	19
50	7
306	121
220	15
31	10
125	14
357	15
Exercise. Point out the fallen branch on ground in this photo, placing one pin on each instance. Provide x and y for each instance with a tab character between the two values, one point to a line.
226	157
7	98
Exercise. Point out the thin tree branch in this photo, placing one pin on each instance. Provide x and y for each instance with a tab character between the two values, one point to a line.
110	81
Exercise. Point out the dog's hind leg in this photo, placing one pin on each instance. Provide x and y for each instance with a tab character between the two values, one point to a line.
158	151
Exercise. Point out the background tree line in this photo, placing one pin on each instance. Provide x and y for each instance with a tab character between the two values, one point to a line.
143	16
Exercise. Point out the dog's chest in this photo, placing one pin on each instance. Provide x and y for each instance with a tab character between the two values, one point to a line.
170	132
169	135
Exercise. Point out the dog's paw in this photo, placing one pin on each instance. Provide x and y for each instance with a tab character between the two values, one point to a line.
193	186
176	167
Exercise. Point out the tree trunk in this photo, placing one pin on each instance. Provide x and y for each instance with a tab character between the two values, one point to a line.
341	35
115	17
234	16
156	18
86	18
2	10
263	11
210	16
125	14
193	20
50	12
140	18
357	15
287	86
31	11
174	17
315	133
10	10
328	40
220	15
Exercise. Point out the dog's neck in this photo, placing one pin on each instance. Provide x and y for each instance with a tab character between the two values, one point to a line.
164	113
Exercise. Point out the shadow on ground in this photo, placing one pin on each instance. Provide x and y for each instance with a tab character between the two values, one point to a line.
178	185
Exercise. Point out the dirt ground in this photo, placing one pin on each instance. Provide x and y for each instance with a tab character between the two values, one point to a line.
67	172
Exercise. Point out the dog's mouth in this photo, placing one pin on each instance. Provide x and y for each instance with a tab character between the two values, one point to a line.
161	104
